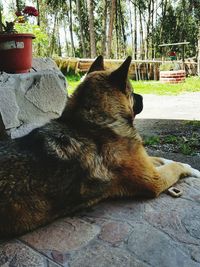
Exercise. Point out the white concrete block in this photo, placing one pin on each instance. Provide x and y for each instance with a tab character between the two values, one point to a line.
30	100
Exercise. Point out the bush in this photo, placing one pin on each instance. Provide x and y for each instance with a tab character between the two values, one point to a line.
40	43
170	66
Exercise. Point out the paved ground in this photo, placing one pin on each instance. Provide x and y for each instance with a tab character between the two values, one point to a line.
181	107
163	232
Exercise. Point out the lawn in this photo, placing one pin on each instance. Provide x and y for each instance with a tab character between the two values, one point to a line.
192	84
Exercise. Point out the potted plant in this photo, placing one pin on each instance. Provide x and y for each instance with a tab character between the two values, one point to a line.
16	48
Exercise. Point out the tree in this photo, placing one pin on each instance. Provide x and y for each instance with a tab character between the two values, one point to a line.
135	32
71	28
111	24
91	28
104	26
82	38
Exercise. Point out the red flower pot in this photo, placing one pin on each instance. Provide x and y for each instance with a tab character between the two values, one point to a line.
16	52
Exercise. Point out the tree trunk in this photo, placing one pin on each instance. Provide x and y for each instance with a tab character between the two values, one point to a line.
52	46
82	38
104	26
111	23
156	21
141	37
38	9
58	39
18	6
163	15
148	30
152	27
71	29
38	23
135	32
91	28
117	33
183	30
121	17
66	41
131	27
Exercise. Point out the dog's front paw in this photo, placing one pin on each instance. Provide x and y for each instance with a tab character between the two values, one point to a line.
191	171
166	161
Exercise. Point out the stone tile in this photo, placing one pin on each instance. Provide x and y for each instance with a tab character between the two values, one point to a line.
121	210
195	254
157	248
59	257
102	255
114	232
16	254
53	264
181	222
191	188
59	238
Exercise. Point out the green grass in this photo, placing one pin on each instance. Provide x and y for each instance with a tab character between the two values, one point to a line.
186	145
152	140
73	81
193	123
192	84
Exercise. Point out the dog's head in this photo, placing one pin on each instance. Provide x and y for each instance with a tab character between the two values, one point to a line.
118	79
105	93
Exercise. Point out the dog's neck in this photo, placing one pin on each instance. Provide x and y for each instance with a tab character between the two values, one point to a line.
90	120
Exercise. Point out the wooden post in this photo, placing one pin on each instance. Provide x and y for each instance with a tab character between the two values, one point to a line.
183	56
198	59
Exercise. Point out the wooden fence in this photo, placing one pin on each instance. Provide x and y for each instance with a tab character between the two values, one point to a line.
139	69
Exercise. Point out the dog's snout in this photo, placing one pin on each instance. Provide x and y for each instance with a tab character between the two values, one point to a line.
138	103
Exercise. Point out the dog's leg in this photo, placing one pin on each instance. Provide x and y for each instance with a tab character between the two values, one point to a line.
169	174
157	161
151	180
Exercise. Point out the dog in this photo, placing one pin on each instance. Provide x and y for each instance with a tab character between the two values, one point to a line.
91	153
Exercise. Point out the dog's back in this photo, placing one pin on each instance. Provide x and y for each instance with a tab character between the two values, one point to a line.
40	178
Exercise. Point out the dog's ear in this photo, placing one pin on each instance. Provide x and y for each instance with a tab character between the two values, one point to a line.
119	76
96	65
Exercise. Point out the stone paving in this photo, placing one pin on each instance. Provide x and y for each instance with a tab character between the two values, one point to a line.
162	232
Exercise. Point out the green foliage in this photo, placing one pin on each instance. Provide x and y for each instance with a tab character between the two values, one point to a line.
192	84
171	139
164	21
73	81
186	145
179	23
152	140
195	124
40	43
170	66
186	149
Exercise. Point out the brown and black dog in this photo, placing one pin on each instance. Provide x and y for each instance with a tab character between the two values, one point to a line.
92	152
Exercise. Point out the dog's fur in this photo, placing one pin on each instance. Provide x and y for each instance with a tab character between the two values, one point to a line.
92	152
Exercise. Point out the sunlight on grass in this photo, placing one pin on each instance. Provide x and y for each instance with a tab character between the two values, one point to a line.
192	84
72	81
